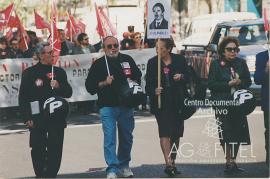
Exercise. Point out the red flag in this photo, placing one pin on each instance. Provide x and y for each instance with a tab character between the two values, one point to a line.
99	23
70	27
55	39
13	22
9	34
107	25
40	22
73	28
24	39
81	26
5	15
68	30
266	23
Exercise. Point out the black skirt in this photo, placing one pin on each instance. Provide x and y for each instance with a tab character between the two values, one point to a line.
168	119
233	128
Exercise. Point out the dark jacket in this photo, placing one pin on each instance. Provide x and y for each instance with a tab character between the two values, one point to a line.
15	53
78	49
220	75
35	86
262	78
66	48
109	96
163	25
178	65
4	53
127	44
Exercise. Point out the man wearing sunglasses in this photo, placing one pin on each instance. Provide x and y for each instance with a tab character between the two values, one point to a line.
46	133
106	83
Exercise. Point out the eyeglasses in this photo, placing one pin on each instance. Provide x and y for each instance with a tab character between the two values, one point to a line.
86	39
230	49
110	46
138	37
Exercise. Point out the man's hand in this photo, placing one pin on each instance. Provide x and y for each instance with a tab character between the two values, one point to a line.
29	124
54	84
107	82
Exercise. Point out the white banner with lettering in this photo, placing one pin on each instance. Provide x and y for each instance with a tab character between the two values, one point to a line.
76	67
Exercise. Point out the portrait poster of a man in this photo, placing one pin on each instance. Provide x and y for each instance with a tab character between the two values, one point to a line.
158	19
159	22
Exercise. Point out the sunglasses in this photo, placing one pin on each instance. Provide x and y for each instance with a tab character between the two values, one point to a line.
110	46
230	49
138	37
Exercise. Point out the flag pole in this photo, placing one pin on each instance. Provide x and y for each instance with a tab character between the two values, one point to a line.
159	74
71	26
52	37
106	60
101	36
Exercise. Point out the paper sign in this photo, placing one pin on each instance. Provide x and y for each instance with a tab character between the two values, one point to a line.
35	107
159	13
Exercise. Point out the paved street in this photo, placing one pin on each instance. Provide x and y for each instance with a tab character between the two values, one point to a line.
198	156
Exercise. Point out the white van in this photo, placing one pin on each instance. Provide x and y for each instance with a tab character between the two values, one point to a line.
200	29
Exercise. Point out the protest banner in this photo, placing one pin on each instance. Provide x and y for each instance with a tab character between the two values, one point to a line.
76	67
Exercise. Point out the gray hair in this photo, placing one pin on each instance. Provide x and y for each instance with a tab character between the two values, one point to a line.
40	47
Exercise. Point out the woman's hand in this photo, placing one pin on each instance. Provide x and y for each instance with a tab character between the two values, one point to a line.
234	82
158	91
177	77
29	124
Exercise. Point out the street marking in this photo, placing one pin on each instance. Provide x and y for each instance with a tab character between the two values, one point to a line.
152	119
137	120
3	132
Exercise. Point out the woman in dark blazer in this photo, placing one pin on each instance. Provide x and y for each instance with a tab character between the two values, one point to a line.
226	75
172	92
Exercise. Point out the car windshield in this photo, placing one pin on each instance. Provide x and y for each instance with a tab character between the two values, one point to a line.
249	34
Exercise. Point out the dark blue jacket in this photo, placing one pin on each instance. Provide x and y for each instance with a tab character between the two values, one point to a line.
261	77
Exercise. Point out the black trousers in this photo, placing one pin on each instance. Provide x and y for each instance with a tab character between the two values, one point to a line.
46	153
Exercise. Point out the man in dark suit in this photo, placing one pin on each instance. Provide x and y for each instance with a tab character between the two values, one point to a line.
66	46
261	77
159	21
